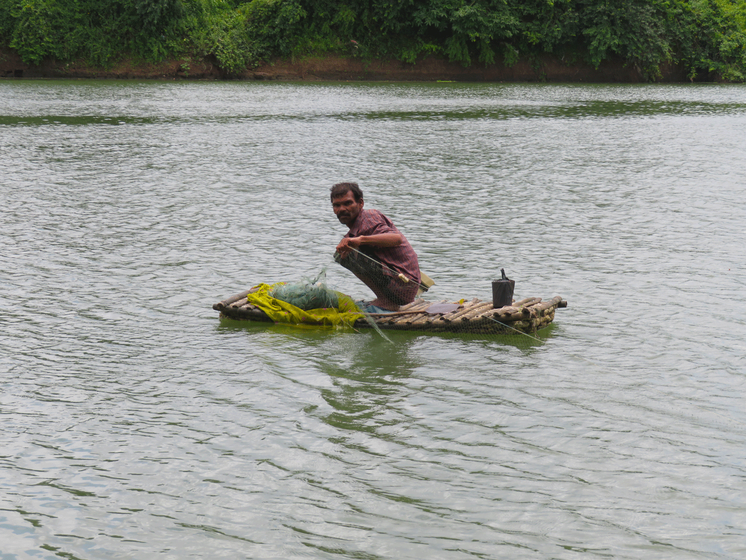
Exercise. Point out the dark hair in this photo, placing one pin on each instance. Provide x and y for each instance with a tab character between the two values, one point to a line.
341	189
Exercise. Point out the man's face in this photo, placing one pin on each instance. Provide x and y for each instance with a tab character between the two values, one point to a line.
346	208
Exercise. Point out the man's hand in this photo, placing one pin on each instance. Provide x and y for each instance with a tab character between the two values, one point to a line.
346	246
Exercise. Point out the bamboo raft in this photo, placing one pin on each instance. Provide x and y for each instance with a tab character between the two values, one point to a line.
475	316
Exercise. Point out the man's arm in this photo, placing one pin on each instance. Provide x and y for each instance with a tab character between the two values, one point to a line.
379	240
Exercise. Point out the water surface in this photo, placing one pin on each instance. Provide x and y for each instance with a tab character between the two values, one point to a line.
136	424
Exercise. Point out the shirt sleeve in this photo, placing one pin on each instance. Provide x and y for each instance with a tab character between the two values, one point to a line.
373	223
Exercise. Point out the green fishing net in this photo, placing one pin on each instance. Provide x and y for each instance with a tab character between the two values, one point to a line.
307	302
306	294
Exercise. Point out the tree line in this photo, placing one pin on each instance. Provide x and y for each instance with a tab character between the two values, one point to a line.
708	37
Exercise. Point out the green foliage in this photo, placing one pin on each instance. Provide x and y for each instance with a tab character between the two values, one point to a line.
97	30
718	29
242	34
707	36
632	29
153	15
274	26
33	35
545	24
216	28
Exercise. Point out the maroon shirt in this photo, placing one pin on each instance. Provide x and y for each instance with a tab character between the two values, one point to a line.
402	258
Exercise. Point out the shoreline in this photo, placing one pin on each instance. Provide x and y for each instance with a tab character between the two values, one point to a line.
340	68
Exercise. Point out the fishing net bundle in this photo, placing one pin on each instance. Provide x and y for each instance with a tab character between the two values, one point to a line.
308	301
307	294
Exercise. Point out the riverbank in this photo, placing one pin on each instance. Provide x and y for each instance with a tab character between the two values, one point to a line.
334	67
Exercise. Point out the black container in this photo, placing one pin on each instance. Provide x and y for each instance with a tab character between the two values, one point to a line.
502	291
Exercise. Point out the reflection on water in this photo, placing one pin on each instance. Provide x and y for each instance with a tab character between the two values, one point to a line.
566	109
137	424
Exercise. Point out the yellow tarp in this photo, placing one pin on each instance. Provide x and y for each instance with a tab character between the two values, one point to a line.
282	312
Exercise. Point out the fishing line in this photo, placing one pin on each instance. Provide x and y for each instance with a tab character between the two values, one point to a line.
401	275
578	356
368	318
372	322
409	279
516	330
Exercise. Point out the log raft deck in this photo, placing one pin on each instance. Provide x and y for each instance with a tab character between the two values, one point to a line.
475	316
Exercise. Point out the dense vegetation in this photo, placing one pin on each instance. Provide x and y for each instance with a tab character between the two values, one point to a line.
707	36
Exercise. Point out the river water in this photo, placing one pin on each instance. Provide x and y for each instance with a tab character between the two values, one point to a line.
136	424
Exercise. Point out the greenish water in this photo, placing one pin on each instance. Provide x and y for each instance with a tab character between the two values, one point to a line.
136	424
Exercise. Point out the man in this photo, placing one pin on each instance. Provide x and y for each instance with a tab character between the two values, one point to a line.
375	251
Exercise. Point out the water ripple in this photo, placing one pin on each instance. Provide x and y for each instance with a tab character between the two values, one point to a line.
136	424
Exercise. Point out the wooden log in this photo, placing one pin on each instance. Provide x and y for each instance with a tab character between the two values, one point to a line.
226	302
406	321
245	310
554	302
247	313
486	314
412	311
518	306
384	319
426	319
450	317
516	315
418	321
476	310
415	308
507	310
476	323
421	307
526	314
439	323
395	314
434	318
238	304
409	306
421	320
536	310
546	307
562	303
381	319
508	321
506	314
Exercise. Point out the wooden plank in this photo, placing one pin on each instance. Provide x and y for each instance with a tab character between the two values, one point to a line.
450	317
543	308
424	317
476	310
403	319
226	302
